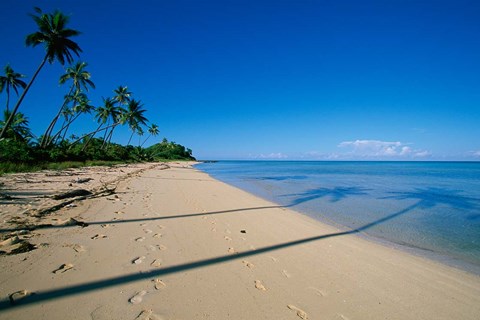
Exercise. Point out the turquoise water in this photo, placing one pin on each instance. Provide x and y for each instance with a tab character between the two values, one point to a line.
429	208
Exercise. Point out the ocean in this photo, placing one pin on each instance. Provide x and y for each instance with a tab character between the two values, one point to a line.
430	209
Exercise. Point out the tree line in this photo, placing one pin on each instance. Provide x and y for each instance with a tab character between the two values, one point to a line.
57	143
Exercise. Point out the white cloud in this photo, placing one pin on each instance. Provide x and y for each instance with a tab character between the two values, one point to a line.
422	154
273	156
377	149
476	153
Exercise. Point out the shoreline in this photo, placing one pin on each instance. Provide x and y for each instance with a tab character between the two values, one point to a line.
176	243
436	253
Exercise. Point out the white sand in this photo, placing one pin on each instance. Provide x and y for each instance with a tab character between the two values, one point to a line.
177	244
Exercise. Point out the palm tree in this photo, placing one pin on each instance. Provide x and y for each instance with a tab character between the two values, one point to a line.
52	32
80	79
104	114
81	105
18	130
153	131
122	95
134	117
79	76
11	79
115	115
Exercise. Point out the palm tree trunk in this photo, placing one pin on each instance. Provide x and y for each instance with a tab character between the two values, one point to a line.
109	138
45	139
65	132
15	109
146	140
8	96
92	134
57	135
65	127
90	137
131	136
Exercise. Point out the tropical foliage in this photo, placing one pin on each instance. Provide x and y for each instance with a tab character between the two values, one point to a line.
19	145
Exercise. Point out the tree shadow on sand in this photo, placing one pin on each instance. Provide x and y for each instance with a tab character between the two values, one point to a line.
425	198
115	281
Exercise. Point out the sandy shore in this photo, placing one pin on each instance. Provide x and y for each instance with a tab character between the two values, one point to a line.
158	242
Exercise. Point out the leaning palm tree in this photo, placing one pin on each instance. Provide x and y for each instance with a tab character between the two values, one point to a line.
153	131
115	114
81	105
18	130
12	80
80	80
103	115
52	33
134	117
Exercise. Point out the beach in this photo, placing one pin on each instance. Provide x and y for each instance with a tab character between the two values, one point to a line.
167	241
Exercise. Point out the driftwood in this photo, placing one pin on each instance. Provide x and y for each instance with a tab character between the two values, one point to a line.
87	195
83	180
72	194
82	194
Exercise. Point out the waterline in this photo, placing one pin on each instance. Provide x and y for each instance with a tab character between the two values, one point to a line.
435	205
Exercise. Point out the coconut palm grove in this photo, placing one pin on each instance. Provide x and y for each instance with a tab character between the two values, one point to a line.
20	149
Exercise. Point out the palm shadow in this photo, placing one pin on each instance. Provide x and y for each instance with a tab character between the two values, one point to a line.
115	281
335	194
425	198
282	178
430	197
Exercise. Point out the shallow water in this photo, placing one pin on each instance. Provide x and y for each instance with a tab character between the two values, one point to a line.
430	208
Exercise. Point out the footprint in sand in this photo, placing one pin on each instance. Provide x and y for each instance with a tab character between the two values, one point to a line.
98	236
248	264
259	285
18	296
143	224
231	250
318	292
286	274
138	297
227	238
79	248
63	268
160	227
139	239
273	259
108	225
300	313
156	263
162	247
157	235
119	212
159	284
147	231
138	260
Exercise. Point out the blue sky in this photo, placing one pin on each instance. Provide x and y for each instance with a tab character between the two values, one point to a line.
363	80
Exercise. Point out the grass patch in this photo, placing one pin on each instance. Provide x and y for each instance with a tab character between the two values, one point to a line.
11	167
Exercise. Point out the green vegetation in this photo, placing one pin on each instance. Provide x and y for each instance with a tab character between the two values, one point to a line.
170	151
20	150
